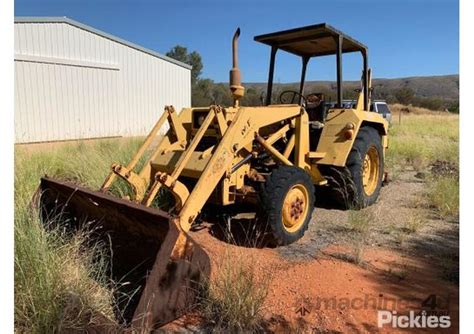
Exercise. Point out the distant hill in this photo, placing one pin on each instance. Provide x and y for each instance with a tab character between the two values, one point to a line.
433	92
444	87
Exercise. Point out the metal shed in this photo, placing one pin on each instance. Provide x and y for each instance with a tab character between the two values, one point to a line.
75	82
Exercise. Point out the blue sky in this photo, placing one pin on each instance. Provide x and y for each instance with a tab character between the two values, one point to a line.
405	37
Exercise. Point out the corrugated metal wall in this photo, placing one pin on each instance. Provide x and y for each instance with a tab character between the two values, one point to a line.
71	83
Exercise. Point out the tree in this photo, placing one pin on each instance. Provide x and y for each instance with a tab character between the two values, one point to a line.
404	95
432	103
181	54
252	97
202	93
196	62
454	107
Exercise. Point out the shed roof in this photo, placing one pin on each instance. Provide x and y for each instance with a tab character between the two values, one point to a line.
63	19
315	40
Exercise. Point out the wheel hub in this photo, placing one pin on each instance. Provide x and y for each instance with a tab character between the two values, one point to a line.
370	171
295	208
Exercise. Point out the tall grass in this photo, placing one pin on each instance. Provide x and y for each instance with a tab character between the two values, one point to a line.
421	139
60	284
443	193
361	222
232	302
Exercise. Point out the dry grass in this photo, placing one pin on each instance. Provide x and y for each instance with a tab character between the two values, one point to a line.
233	300
423	138
396	108
414	224
443	194
60	284
360	222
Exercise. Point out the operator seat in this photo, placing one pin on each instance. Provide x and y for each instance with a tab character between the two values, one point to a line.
316	108
317	111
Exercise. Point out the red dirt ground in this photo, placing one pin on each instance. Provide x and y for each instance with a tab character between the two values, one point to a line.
320	283
324	282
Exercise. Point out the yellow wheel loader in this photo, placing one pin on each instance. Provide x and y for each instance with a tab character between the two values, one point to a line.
269	157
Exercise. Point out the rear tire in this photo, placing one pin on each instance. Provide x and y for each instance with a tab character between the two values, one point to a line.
357	185
287	200
366	165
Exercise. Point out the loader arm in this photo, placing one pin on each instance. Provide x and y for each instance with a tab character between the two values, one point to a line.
238	135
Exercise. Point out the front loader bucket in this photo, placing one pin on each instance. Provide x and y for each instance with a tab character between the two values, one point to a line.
148	249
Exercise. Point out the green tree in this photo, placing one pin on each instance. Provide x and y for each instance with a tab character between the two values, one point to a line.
252	97
454	107
432	103
404	95
194	59
202	93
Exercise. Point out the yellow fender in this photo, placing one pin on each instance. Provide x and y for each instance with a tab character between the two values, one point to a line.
340	131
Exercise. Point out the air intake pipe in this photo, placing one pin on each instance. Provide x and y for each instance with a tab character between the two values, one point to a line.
236	88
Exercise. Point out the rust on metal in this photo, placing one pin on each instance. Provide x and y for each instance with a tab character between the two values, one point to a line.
142	240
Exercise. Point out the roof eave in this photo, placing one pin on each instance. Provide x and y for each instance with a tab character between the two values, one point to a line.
64	19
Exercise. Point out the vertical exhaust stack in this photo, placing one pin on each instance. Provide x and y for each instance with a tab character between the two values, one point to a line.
236	88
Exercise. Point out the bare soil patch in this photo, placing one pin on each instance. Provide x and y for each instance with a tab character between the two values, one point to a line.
314	281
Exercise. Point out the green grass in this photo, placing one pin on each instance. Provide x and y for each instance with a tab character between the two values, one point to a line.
422	139
443	193
419	141
60	284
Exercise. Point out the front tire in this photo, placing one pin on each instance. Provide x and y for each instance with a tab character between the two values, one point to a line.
287	200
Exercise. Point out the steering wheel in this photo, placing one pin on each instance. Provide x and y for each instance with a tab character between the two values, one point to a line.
291	97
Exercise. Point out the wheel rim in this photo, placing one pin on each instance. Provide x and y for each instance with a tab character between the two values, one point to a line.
295	208
370	170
